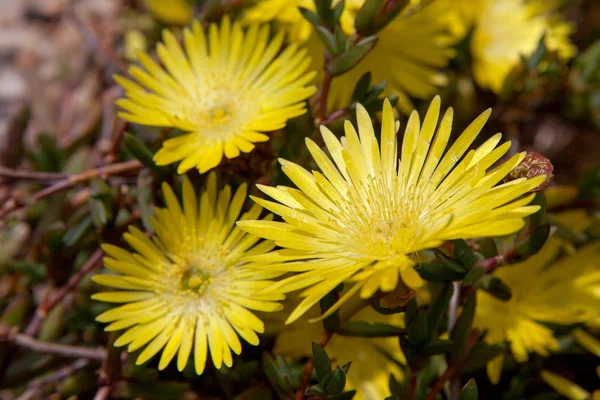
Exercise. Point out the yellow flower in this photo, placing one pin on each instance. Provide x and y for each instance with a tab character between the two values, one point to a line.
565	387
366	215
566	292
410	54
370	371
224	92
505	30
187	286
176	12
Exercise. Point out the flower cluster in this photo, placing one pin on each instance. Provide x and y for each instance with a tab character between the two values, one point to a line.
367	212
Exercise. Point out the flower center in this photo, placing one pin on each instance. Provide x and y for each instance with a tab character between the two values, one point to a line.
219	106
382	224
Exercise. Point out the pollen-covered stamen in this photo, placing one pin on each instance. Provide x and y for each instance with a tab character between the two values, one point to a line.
383	223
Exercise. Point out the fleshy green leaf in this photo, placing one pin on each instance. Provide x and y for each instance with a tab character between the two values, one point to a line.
335	382
460	333
469	391
351	57
366	15
369	329
322	361
437	309
438	346
438	272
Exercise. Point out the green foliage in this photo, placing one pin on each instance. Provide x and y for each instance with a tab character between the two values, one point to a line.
331	381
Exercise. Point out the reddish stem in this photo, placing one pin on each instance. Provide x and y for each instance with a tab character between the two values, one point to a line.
51	301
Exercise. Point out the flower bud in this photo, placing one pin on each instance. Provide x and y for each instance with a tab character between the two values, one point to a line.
534	164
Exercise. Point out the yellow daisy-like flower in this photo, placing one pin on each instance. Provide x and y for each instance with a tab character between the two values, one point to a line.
177	12
187	286
225	91
507	29
410	54
565	292
364	217
371	366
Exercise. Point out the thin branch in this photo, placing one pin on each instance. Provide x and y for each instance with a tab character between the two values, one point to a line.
74	180
322	112
452	370
102	393
63	350
36	385
502	259
47	305
31	175
309	367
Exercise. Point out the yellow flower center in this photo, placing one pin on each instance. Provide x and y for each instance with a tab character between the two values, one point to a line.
383	224
198	277
218	106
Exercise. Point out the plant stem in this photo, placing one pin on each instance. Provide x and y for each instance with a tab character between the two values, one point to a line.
63	350
31	175
502	259
322	114
452	370
36	385
74	180
309	367
47	305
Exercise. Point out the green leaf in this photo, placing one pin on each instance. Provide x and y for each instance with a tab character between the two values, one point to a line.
338	10
437	309
464	254
351	57
340	41
328	40
310	16
417	329
469	391
317	390
460	333
343	396
369	329
534	242
322	361
488	248
332	322
539	217
325	12
410	351
139	150
494	286
50	158
362	87
538	55
335	382
438	272
389	14
277	372
439	346
33	270
474	275
366	15
98	211
346	367
482	353
75	233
